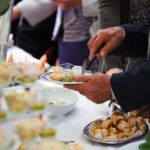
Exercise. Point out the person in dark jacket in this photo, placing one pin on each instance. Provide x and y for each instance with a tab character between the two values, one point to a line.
130	88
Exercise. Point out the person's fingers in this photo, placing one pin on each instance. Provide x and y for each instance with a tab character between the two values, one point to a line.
113	42
59	1
79	87
55	1
74	87
64	3
16	13
90	45
97	45
106	49
91	41
82	78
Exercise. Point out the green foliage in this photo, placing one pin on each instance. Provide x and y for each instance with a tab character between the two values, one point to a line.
4	5
146	145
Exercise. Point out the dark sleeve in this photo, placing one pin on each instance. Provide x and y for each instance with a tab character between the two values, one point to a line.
135	43
132	88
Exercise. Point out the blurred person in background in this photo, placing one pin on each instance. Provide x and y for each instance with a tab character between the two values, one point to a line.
109	15
73	21
36	40
14	25
74	34
112	13
138	11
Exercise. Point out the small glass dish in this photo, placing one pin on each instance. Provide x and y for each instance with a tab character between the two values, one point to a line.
21	102
27	72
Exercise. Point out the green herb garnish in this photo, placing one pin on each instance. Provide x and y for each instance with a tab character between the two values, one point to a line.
67	79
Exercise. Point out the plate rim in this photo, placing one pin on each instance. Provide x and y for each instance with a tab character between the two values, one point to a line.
46	77
90	137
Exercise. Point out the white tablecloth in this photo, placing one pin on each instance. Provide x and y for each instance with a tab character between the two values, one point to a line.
71	126
20	55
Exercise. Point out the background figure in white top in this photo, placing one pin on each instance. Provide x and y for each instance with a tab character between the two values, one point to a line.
76	21
36	39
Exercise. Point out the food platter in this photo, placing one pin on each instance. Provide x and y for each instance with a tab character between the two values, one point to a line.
46	77
90	137
111	134
64	74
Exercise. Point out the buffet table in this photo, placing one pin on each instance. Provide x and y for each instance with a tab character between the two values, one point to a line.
70	127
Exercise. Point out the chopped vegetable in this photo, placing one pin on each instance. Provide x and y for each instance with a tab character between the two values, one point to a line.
27	79
47	132
67	79
38	106
3	115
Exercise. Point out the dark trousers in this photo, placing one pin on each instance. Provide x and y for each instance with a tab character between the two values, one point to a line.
73	52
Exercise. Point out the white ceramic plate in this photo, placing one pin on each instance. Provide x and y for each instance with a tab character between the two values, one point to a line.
66	66
46	76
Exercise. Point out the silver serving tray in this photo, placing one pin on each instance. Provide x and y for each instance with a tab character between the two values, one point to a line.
90	137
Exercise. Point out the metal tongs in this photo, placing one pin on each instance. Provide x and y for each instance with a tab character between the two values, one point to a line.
115	107
91	65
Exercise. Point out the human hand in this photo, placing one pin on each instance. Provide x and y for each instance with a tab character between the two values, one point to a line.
16	13
105	41
95	87
66	4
